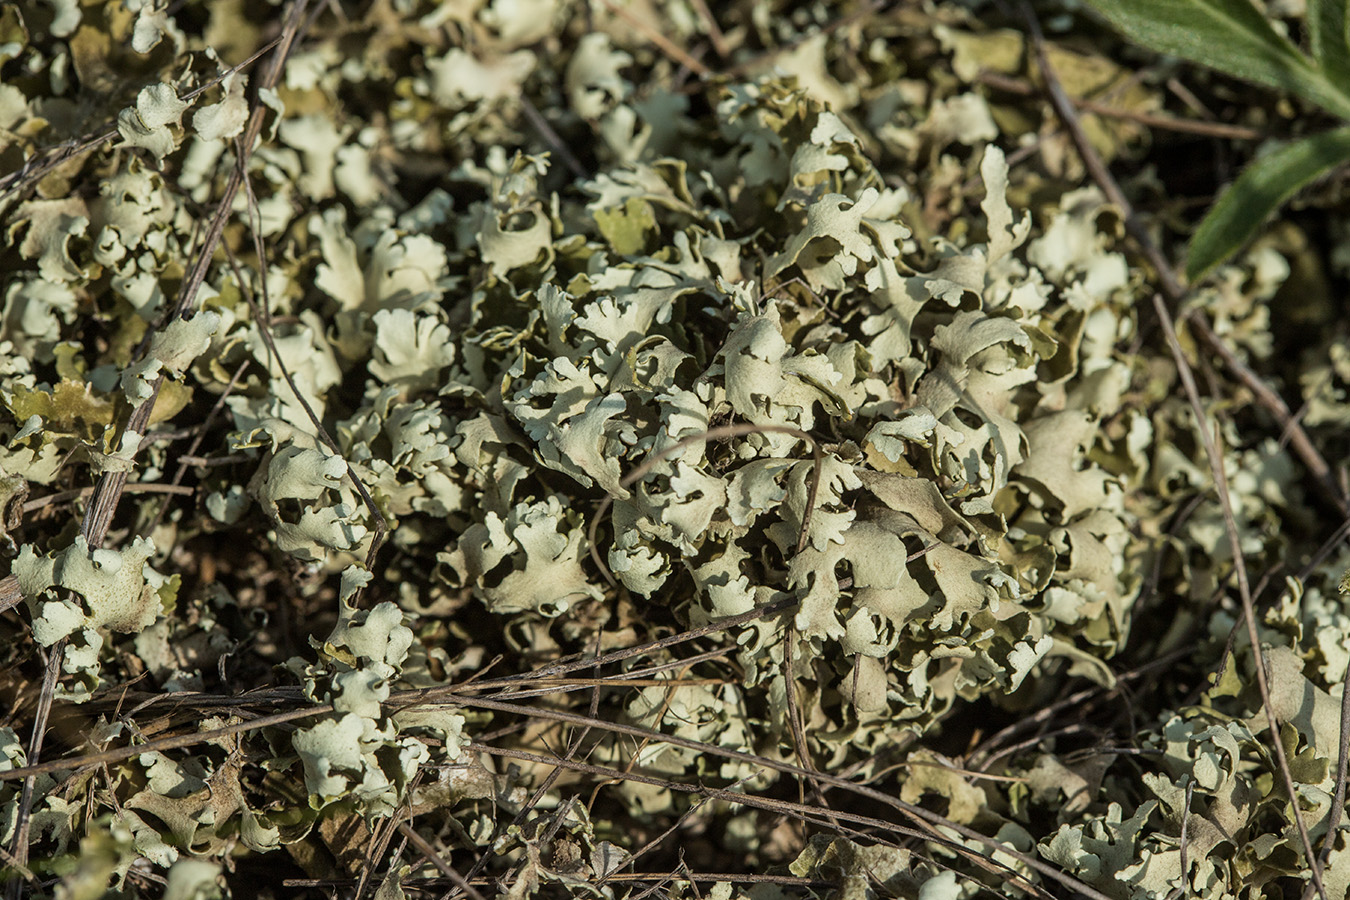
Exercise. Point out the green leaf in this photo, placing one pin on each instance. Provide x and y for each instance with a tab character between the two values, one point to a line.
1231	36
1329	36
1260	190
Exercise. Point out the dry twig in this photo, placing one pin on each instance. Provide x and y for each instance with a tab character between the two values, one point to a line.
1150	120
37	167
449	871
663	43
262	313
1244	588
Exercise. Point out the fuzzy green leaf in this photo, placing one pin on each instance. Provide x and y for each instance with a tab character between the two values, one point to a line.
1329	37
1259	191
1231	36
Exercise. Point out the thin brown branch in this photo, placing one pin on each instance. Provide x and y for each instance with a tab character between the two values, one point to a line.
713	877
399	699
7	859
693	810
547	784
193	703
567	685
715	34
1092	161
262	313
10	595
546	130
563	668
110	486
983	756
1299	440
1216	465
625	877
140	487
40	164
383	834
663	43
435	859
1338	798
1185	843
918	814
926	819
19	847
799	811
1291	426
186	460
1152	120
799	743
160	745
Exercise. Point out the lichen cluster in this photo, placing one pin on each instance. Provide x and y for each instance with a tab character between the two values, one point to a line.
838	333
